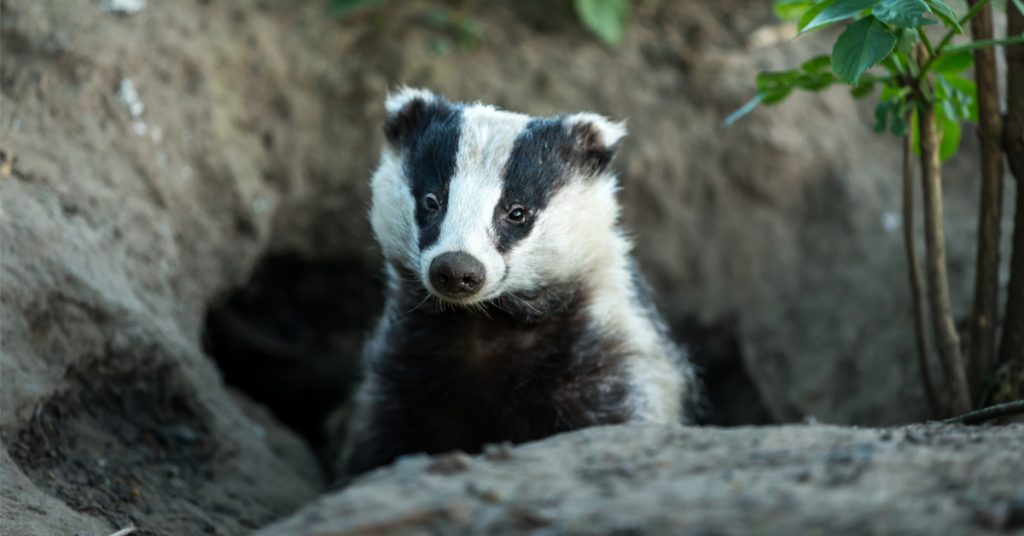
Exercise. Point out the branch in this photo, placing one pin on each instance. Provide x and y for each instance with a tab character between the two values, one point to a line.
1011	350
984	310
947	341
987	414
916	279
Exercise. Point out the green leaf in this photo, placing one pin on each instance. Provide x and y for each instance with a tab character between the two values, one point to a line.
895	92
891	115
774	80
898	125
470	33
604	18
776	85
915	132
812	14
816	63
830	12
792	9
863	44
893	65
953	62
815	82
950	129
882	116
946	14
775	96
908	41
744	110
1020	5
340	8
964	94
863	89
902	13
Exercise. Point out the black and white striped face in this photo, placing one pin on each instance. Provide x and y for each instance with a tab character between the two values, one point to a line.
479	202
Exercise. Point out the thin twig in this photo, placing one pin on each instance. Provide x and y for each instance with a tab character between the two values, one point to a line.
986	43
927	42
987	414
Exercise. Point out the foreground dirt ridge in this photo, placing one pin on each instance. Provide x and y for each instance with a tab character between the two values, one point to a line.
925	479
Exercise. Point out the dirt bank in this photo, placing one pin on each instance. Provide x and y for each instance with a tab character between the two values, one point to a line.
153	161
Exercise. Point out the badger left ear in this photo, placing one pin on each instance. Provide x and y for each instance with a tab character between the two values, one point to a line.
595	140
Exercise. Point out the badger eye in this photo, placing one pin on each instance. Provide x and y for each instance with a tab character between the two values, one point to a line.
516	214
431	203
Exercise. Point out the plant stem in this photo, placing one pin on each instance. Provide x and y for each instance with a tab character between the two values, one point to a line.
1011	351
927	42
914	271
984	312
975	8
947	342
986	414
986	43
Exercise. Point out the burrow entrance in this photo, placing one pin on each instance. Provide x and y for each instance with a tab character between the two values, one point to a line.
291	337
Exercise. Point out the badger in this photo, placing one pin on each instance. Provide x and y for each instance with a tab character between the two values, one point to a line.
513	308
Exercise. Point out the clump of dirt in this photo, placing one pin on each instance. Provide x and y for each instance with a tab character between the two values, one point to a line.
114	445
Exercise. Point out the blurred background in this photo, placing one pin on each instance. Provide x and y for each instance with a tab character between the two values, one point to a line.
186	182
773	244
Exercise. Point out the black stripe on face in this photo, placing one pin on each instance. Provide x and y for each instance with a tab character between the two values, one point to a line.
430	154
537	168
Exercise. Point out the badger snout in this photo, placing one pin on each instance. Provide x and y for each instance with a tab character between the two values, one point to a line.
457	274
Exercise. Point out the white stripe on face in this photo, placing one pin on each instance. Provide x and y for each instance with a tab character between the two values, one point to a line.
486	142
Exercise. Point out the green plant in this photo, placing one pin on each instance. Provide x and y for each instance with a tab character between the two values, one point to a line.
340	8
604	18
925	96
884	33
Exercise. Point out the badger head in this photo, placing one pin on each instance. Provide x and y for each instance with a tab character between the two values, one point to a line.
476	203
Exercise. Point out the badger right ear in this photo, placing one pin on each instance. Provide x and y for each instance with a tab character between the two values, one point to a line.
596	138
407	114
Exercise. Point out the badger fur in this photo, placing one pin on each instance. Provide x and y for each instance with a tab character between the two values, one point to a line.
513	310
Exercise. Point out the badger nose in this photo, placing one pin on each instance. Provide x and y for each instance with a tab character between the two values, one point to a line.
456	274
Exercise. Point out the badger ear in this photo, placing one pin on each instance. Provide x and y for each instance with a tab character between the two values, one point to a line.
407	111
595	140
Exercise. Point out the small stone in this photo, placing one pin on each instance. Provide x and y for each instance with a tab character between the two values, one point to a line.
802	475
498	451
450	463
124	7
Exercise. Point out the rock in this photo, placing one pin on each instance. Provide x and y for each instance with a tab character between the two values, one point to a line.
656	480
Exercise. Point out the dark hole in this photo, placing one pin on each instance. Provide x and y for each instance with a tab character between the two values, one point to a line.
291	337
732	397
